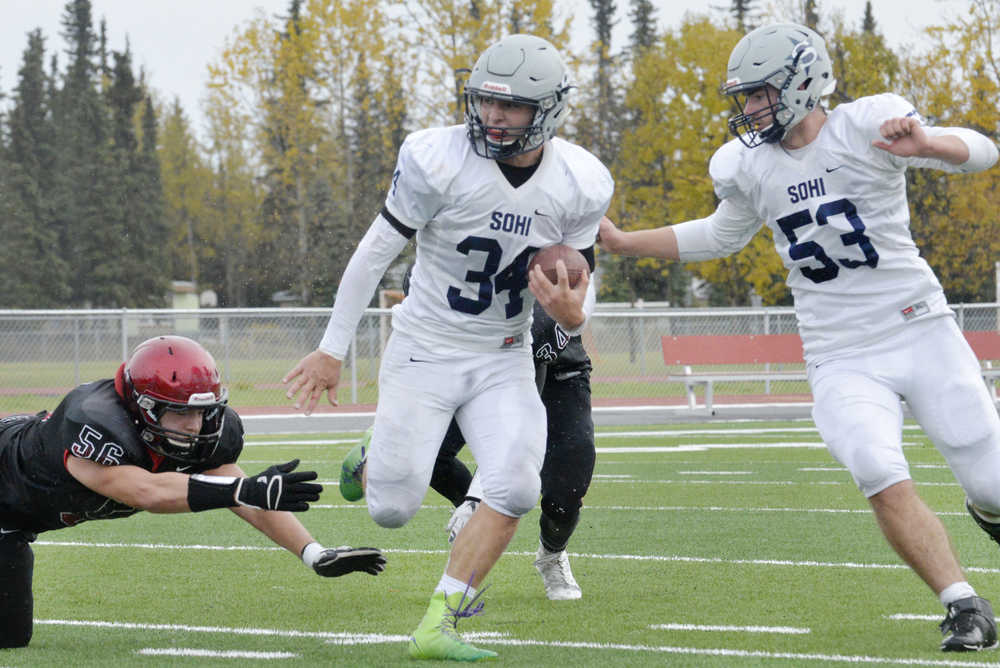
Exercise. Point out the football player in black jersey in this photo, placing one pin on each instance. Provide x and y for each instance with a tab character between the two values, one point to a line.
160	437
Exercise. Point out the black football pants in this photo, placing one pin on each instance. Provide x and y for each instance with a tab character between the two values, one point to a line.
17	563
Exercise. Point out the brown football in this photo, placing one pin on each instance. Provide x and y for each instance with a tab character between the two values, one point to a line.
574	260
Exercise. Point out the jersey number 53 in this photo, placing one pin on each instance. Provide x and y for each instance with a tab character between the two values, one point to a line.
829	269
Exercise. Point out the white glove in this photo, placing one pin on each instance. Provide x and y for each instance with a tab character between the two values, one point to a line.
460	517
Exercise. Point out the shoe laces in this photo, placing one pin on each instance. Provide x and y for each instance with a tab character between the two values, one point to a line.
467	607
356	471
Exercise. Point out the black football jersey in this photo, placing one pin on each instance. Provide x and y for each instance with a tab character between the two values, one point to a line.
554	348
37	492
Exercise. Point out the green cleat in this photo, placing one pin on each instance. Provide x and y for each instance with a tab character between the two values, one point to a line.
437	638
350	470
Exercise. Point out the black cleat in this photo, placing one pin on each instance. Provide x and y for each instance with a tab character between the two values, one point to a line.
993	530
969	626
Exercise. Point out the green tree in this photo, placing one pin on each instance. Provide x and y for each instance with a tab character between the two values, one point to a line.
86	216
863	63
642	15
27	160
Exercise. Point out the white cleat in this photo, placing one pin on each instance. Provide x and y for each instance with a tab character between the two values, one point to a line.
560	585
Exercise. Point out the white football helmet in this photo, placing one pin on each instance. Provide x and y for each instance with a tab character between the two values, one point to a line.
522	69
792	59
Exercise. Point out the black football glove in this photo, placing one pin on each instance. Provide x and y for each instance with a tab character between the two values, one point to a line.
277	488
336	561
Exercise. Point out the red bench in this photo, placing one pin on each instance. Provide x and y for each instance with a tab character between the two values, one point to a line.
767	349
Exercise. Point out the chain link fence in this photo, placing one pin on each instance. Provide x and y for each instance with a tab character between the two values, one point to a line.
44	354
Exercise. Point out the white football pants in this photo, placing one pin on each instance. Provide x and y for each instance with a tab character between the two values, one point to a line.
491	395
929	364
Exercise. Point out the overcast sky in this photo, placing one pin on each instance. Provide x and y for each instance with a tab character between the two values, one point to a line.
174	40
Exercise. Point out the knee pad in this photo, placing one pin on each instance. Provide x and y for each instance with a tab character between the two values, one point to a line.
392	506
518	496
559	512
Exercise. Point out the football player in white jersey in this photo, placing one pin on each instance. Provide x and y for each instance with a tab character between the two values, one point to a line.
480	199
872	315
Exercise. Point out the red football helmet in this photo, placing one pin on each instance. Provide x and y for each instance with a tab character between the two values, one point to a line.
174	373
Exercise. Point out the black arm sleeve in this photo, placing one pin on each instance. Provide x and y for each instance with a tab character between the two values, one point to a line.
591	260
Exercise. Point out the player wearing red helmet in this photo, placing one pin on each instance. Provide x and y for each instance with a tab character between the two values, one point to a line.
157	437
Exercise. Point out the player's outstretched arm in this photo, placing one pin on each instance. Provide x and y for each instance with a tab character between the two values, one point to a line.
315	373
287	531
659	242
277	488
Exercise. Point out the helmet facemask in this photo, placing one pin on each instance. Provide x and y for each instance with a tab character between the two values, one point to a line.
751	128
496	142
179	445
790	63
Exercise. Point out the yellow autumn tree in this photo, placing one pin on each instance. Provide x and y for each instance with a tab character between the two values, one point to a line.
186	181
663	174
446	36
955	218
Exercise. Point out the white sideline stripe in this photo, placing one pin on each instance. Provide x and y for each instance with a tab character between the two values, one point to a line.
513	553
715	472
820	469
722	627
214	653
375	638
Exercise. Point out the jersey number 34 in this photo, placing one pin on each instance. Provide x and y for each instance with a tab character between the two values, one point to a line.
511	279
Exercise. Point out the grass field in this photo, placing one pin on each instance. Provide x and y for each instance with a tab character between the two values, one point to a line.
715	545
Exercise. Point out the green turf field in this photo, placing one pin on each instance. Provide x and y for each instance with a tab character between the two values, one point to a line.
717	545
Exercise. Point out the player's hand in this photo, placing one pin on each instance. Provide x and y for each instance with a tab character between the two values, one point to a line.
607	235
277	488
460	517
315	373
563	303
336	561
904	137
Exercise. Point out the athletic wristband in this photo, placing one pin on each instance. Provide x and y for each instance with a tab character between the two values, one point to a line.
211	491
311	552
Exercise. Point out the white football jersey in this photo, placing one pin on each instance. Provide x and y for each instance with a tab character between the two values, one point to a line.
841	224
476	233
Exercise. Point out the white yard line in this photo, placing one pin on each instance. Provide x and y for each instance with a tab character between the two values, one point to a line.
791	630
214	653
492	638
576	555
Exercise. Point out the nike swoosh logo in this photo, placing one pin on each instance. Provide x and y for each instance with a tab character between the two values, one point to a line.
539	213
833	169
420	361
181	469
